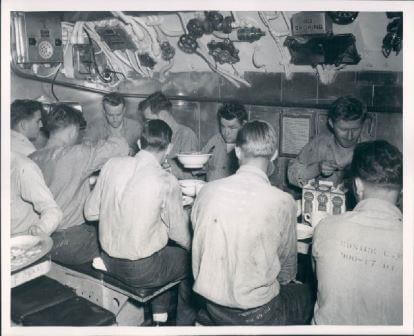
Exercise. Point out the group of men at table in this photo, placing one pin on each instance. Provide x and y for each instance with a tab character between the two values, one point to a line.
237	258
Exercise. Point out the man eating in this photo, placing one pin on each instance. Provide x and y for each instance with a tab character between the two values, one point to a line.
223	162
138	212
359	254
184	140
66	166
115	124
326	156
244	252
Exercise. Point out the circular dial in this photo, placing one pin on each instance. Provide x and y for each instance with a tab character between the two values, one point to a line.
45	49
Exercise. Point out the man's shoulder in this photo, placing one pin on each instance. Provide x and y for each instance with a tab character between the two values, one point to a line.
120	162
133	128
116	166
281	197
20	160
153	177
14	135
335	223
97	123
323	138
319	143
169	178
214	186
215	139
60	153
19	143
185	130
132	122
42	154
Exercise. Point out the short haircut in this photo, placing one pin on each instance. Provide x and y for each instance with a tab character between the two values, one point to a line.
346	108
378	163
156	135
23	109
230	111
257	138
113	99
62	116
157	102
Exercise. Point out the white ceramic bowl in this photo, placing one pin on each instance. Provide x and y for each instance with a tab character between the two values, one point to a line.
190	187
193	160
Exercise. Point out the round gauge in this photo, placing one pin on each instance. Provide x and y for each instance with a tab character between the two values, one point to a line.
343	18
45	49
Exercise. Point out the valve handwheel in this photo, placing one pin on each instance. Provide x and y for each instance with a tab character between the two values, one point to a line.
187	44
343	18
195	28
167	51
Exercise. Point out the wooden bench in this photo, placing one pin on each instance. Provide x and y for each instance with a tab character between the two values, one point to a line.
105	290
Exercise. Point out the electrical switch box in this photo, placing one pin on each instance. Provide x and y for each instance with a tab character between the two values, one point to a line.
82	61
330	49
311	23
38	37
116	37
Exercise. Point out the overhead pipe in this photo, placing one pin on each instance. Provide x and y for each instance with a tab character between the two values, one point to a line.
379	109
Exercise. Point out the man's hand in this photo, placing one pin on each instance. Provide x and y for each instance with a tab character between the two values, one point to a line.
35	230
199	172
131	151
327	168
166	166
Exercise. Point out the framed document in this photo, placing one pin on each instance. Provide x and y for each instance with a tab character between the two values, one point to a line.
296	129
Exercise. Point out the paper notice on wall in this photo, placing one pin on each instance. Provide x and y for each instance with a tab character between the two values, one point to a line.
295	134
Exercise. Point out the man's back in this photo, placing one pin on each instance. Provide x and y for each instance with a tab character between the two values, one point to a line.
29	197
138	208
244	242
66	170
359	266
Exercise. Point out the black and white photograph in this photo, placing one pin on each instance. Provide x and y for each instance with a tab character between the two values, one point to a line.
207	168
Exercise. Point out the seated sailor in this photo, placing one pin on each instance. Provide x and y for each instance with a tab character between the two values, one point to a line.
139	210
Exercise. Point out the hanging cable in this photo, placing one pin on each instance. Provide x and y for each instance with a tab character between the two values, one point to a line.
112	60
53	82
114	72
101	77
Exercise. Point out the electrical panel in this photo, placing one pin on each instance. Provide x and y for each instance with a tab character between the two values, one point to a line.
82	61
38	37
115	37
334	49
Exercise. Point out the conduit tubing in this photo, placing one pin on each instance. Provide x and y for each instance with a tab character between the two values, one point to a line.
19	73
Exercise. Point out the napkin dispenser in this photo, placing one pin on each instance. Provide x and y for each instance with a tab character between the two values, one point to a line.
321	199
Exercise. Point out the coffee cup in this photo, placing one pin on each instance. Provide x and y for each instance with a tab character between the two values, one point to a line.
314	218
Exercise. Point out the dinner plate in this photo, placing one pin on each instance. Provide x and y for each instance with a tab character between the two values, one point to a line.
303	231
26	249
